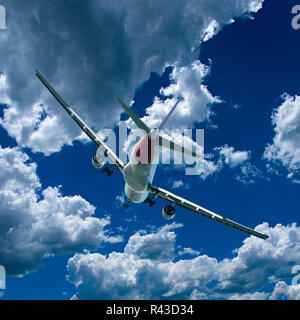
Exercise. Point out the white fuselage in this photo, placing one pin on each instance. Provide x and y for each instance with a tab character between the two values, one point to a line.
140	170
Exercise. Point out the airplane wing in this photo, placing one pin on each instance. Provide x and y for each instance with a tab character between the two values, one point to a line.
83	125
166	195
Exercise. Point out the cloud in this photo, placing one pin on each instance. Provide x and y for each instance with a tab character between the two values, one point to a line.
179	184
211	30
187	83
210	165
239	162
250	296
249	173
284	291
123	275
36	129
91	51
188	251
143	272
233	158
4	99
281	291
36	223
154	246
120	200
285	149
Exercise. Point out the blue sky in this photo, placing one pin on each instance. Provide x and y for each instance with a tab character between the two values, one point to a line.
63	231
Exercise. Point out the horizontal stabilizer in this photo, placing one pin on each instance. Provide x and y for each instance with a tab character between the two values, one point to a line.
162	141
176	147
133	116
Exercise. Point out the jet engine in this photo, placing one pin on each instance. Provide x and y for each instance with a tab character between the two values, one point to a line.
168	212
98	161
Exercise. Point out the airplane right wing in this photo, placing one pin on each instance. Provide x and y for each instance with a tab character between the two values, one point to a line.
171	197
83	125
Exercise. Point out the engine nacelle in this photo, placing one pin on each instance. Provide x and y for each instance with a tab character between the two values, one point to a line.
98	161
168	212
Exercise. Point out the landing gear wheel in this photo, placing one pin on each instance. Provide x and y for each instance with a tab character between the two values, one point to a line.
150	201
108	171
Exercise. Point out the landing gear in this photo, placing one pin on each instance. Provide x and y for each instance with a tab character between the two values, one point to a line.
150	201
108	171
126	204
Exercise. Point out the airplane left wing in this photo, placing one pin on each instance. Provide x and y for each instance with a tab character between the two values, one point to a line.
83	125
166	195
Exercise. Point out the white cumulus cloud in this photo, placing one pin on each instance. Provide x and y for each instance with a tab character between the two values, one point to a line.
92	51
150	268
285	149
187	83
233	158
36	223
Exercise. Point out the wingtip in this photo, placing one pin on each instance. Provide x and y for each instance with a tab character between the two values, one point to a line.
37	73
120	101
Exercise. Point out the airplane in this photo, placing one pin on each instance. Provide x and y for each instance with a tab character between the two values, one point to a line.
139	172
